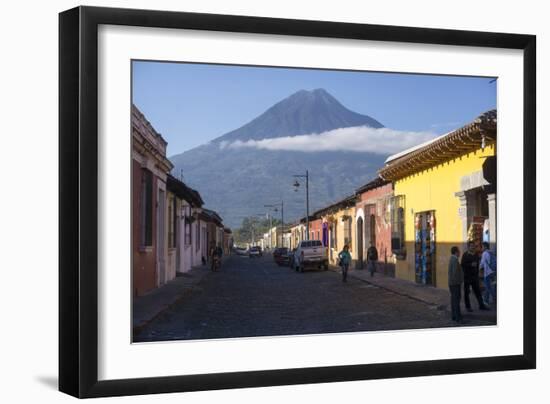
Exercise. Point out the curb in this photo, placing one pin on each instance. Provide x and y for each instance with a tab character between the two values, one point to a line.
185	291
438	306
138	328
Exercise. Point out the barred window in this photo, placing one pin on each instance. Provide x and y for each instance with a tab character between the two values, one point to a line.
146	208
172	222
397	213
347	231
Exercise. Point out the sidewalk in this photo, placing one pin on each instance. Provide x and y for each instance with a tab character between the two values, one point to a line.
440	298
147	307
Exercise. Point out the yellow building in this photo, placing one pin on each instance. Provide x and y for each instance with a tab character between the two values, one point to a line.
339	219
445	195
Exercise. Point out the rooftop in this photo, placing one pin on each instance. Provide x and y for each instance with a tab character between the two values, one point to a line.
472	136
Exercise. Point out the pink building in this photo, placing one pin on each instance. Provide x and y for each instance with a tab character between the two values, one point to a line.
150	169
372	220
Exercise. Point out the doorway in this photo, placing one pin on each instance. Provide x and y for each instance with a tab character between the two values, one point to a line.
360	242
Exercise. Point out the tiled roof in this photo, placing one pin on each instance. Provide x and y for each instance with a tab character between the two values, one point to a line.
183	191
340	204
444	148
375	183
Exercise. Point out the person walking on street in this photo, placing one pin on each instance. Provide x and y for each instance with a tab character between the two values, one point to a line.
372	258
216	257
345	259
456	278
470	267
489	265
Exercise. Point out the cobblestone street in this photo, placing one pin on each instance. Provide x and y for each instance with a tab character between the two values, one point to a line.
255	297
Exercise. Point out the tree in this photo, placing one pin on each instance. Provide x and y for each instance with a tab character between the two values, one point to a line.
253	227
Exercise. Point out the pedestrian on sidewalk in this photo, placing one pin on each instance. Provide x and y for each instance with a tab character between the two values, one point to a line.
372	258
470	267
456	278
344	258
489	265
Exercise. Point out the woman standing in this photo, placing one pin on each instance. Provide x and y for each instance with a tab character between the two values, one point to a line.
345	259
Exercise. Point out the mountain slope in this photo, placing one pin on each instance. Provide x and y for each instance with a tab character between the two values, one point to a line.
302	113
239	182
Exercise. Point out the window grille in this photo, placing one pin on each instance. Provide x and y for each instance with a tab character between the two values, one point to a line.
397	214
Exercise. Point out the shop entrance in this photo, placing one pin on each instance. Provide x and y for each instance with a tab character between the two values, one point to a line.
478	217
425	248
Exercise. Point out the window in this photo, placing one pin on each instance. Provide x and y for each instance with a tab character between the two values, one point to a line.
146	208
188	230
333	238
372	229
347	231
197	236
172	222
397	212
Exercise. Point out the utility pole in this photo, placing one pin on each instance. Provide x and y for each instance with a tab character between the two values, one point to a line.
296	185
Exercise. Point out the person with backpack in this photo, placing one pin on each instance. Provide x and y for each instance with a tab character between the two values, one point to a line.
372	258
344	258
489	265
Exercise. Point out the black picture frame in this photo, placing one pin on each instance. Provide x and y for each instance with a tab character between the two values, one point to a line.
78	201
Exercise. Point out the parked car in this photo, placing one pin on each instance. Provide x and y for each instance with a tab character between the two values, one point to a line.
241	251
280	256
255	251
310	254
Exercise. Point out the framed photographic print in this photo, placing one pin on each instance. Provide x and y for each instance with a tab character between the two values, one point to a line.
250	201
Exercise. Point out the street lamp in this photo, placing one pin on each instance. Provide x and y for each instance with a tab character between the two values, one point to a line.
275	208
296	186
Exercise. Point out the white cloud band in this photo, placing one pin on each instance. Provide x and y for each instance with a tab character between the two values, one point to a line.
359	139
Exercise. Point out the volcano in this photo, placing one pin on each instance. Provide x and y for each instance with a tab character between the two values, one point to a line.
238	182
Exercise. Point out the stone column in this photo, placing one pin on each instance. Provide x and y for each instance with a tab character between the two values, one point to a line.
463	214
492	201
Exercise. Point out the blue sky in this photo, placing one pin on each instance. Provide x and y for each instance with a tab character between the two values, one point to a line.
191	104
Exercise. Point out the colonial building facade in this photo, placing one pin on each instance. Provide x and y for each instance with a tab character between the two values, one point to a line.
445	195
150	169
372	221
171	230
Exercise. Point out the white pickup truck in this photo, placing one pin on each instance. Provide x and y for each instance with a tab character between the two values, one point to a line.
310	254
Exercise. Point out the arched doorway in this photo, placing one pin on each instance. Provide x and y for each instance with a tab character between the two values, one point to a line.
360	242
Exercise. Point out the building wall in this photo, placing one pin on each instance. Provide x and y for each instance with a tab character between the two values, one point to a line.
148	152
296	235
315	229
143	258
434	189
336	218
198	246
379	199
